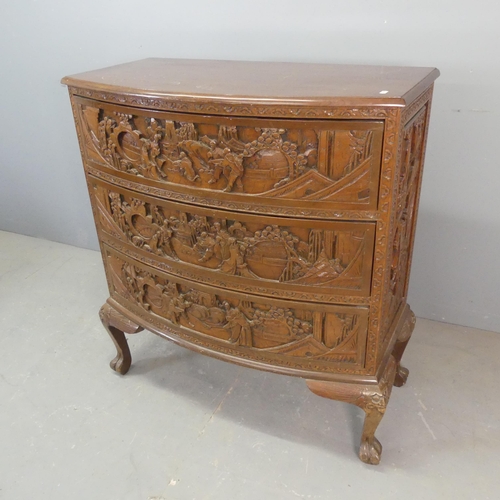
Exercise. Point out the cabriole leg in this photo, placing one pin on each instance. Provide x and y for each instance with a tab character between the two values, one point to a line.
116	325
372	398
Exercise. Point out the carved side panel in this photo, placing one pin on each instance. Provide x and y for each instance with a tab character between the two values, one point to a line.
240	251
406	205
262	328
332	163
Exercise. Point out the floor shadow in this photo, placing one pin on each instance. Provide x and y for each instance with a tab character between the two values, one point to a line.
274	404
425	417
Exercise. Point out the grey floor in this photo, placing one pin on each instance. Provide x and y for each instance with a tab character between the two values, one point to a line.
184	426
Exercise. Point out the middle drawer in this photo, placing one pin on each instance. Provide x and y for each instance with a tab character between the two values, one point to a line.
321	261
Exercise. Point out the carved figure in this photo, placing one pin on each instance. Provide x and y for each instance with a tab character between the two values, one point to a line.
177	307
205	244
165	239
235	264
151	163
185	166
238	325
229	164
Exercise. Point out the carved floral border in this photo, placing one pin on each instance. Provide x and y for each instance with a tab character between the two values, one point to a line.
205	106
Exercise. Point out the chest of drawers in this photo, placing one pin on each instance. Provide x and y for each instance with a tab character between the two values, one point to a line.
261	213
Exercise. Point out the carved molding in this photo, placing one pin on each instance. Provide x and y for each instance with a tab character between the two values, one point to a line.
244	206
201	106
423	99
386	201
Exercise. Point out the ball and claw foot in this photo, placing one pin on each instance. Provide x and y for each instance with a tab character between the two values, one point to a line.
117	325
370	451
371	398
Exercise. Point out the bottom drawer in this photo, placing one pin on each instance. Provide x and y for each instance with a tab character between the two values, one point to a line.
297	335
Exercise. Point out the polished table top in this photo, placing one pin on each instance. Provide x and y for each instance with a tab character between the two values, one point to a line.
261	82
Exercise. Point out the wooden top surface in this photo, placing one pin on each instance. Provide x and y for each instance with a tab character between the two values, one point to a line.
262	82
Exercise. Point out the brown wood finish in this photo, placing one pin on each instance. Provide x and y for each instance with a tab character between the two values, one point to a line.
261	213
310	259
116	325
287	164
371	398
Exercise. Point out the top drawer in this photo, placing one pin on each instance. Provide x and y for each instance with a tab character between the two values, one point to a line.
307	168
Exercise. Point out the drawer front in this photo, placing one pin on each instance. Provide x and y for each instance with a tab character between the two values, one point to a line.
323	261
285	333
290	167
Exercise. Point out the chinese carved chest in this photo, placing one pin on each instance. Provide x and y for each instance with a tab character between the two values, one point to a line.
261	213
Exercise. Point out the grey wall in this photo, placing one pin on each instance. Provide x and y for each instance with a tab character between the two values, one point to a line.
456	273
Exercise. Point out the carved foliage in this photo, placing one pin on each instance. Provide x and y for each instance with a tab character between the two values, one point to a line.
249	322
291	254
274	162
375	398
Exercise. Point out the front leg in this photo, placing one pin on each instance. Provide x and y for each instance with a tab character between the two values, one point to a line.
372	398
374	402
116	325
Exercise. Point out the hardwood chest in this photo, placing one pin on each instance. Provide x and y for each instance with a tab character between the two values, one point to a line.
261	213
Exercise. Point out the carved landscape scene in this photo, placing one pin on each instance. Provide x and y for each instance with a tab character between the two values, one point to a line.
338	164
253	248
252	322
411	165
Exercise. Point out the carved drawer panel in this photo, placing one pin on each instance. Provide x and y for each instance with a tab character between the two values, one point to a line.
304	168
325	261
299	335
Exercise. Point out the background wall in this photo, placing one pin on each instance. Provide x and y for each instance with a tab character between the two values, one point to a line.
456	271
